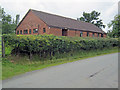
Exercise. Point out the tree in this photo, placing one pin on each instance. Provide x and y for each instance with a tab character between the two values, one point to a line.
92	18
0	21
115	31
8	26
17	19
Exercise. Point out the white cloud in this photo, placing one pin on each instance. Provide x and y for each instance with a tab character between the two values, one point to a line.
68	8
109	13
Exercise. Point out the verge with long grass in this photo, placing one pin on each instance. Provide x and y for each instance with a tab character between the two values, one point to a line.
28	53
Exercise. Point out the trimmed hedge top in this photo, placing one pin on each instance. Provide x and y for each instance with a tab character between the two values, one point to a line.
51	43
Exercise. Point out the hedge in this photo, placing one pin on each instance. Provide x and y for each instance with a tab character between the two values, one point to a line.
50	44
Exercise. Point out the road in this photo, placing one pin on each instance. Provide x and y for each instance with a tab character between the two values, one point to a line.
96	72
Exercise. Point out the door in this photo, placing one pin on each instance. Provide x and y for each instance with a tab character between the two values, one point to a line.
64	32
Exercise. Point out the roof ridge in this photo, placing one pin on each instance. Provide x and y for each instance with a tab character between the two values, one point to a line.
55	15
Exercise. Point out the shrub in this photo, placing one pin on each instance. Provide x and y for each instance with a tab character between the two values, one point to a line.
44	45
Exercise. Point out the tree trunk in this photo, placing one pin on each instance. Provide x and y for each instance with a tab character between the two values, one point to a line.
40	54
30	56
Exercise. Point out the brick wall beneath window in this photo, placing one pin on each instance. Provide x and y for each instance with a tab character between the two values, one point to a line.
71	33
84	34
90	34
95	34
105	35
77	33
55	31
99	35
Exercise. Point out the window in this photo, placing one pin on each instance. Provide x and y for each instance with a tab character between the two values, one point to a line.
81	33
20	31
44	30
17	32
25	31
98	34
87	34
35	30
30	31
93	34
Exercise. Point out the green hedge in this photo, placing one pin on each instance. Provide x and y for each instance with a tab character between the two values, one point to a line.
49	44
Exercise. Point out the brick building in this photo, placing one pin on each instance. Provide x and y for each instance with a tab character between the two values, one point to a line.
37	22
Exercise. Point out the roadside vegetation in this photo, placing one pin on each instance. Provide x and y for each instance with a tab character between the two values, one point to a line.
47	46
26	53
33	52
115	31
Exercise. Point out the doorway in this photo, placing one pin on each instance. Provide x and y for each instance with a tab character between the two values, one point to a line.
64	32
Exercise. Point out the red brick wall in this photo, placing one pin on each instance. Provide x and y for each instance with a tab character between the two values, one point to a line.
100	35
77	33
90	34
95	35
55	31
71	33
105	35
31	22
58	32
84	34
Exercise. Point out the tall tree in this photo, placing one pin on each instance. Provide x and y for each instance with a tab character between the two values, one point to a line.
17	19
93	18
8	26
0	20
115	24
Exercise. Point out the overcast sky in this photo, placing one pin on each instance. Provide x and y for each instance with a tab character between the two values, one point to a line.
67	8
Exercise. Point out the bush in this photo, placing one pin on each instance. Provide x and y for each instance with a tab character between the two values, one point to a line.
44	45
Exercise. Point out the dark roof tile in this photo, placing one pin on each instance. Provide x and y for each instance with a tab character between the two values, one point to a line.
63	22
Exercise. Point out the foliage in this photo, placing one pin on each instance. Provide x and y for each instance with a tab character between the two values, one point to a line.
8	26
49	45
17	19
115	32
8	50
92	18
15	65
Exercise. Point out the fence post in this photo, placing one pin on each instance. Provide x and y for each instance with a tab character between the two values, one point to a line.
30	55
3	48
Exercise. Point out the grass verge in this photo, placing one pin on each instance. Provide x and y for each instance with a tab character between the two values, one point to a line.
15	65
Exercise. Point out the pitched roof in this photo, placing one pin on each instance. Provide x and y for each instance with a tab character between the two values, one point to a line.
64	22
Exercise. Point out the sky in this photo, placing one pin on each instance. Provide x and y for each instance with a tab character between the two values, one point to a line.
67	8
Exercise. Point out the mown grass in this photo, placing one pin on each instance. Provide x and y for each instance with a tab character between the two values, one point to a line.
15	65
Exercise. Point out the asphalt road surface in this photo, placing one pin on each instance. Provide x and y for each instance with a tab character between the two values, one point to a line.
96	72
